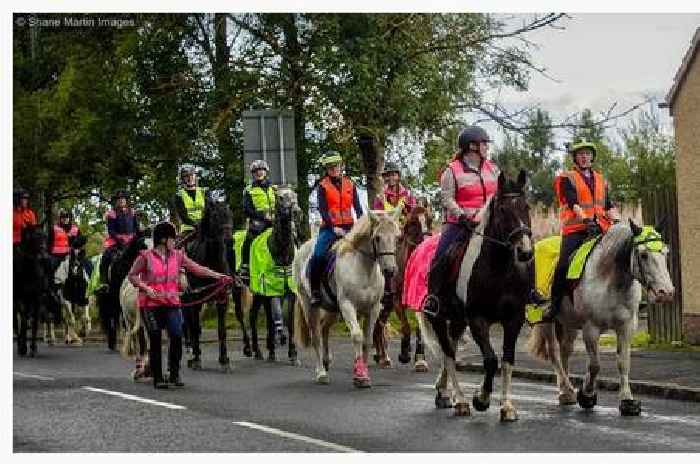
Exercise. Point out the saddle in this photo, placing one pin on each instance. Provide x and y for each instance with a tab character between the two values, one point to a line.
445	269
328	297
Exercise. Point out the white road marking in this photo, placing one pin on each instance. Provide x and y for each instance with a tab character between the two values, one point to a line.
134	398
295	436
33	376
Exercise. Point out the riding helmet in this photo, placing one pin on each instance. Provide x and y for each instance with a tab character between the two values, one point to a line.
391	167
259	164
471	134
331	158
580	145
187	169
163	230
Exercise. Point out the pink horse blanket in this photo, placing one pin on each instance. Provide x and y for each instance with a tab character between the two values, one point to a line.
415	282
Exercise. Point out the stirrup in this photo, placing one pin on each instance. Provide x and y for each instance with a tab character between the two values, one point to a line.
431	301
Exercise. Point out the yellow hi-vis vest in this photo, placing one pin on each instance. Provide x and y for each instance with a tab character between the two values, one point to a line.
263	199
195	209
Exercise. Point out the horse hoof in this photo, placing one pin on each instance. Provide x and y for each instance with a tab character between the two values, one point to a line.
509	415
194	364
630	407
323	378
479	404
247	352
271	356
462	410
376	358
361	382
421	366
567	399
258	355
385	364
404	358
442	402
326	364
586	401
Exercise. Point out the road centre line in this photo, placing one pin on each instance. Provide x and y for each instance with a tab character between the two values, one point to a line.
296	436
126	396
32	376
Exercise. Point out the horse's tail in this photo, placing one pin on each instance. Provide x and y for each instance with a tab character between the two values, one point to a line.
302	335
428	335
540	341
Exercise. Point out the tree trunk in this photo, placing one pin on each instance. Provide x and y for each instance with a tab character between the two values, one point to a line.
372	152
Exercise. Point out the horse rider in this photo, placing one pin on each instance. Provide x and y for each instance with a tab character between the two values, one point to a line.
22	216
465	186
61	237
258	206
155	273
122	226
190	200
395	195
585	210
336	198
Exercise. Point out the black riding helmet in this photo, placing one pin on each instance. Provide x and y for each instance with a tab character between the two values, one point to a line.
471	134
163	230
391	167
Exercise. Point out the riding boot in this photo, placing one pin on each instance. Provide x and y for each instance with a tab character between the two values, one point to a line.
536	298
315	284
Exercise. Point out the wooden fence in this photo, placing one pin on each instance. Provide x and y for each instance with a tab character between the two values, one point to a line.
665	320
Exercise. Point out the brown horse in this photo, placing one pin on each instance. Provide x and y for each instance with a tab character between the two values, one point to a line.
418	225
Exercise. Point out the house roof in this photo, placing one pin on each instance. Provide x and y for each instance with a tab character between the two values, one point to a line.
683	71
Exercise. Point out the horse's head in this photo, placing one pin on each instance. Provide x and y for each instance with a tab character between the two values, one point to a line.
217	221
286	204
418	225
649	266
34	241
384	232
510	219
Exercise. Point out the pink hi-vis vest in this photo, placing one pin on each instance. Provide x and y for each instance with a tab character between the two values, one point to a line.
473	188
162	275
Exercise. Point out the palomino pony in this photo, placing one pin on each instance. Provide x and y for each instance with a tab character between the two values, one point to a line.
626	260
281	245
418	225
209	249
354	287
34	294
492	287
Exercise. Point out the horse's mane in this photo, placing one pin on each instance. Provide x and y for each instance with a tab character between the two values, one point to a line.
359	232
615	249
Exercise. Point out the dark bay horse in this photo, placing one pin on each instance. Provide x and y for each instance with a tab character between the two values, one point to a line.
492	287
34	293
281	243
418	225
108	302
209	249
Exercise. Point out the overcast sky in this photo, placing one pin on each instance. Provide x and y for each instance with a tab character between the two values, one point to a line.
600	59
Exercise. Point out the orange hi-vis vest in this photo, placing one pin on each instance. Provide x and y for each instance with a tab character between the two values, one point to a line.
592	203
61	239
162	275
339	201
20	219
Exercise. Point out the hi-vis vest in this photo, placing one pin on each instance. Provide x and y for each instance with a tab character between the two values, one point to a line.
339	201
591	204
195	208
263	199
61	239
162	275
472	188
389	207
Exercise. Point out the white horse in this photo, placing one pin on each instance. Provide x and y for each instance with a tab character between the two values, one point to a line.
363	256
606	298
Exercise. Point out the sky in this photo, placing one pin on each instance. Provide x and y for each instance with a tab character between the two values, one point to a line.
601	59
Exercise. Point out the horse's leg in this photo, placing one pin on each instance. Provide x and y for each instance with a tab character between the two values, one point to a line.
237	294
278	318
326	324
511	330
553	334
292	349
442	398
367	328
587	396
360	371
35	329
70	324
421	365
23	322
405	354
313	318
628	405
565	339
86	320
380	340
460	403
480	332
223	352
271	328
195	331
253	321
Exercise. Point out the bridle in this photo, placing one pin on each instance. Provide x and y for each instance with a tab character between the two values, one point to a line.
507	243
375	254
642	277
